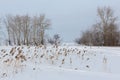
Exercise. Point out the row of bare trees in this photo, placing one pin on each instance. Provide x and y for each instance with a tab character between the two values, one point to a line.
26	30
103	33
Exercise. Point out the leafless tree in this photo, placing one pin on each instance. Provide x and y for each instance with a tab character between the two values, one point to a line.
109	26
105	32
26	26
43	25
8	25
56	40
24	30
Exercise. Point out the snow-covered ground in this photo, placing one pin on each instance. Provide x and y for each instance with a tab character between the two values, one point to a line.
62	63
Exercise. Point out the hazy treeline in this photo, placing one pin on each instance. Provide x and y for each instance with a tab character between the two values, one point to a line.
30	30
105	32
26	30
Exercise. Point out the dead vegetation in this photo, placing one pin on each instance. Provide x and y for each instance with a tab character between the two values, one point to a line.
19	57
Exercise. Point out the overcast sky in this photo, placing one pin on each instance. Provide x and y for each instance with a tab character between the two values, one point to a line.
69	17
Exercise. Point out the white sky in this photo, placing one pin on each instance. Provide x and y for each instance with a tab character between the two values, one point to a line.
69	17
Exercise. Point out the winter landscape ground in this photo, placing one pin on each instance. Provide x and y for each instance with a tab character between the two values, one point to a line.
62	63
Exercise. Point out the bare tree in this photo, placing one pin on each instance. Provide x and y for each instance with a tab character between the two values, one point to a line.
24	30
86	38
39	25
105	32
78	40
17	24
109	26
56	40
26	26
43	25
34	30
8	25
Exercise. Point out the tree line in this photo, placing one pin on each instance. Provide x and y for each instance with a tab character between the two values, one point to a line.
105	32
26	30
30	30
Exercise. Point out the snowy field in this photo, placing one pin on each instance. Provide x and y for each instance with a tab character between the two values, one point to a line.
62	63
